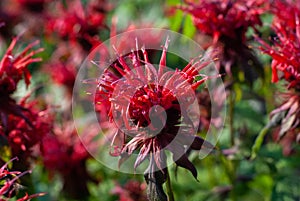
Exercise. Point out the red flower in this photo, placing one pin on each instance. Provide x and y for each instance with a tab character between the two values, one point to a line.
227	23
63	74
285	53
21	124
140	99
151	111
286	48
76	24
23	133
63	152
219	18
12	70
63	65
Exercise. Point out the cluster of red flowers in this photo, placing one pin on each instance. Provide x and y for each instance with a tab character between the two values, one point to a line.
285	53
76	26
149	106
29	127
22	124
227	22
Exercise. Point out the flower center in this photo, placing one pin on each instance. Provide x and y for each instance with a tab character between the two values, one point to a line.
148	108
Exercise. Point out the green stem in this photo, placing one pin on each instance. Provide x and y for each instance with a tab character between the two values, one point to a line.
258	141
231	116
229	168
169	188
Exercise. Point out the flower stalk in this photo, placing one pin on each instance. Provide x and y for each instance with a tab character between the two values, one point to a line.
169	188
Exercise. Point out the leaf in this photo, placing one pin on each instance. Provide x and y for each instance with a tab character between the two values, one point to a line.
258	141
188	27
176	20
238	92
184	162
260	138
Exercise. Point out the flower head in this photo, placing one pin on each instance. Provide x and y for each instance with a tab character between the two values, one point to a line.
13	68
227	23
150	108
77	24
286	48
63	65
63	152
229	18
23	133
285	53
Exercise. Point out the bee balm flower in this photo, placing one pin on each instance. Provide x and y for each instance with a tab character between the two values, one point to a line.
227	18
151	108
227	23
285	53
13	68
144	110
79	24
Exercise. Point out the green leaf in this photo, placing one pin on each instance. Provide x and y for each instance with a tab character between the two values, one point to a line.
188	28
173	2
258	142
263	184
176	20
